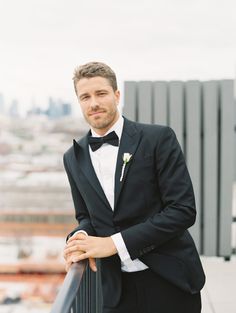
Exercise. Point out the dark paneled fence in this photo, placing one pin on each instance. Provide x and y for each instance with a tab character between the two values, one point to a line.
202	115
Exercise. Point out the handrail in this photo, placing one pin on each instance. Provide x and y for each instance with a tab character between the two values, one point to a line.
69	288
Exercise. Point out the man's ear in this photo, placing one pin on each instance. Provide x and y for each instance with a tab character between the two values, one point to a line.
117	95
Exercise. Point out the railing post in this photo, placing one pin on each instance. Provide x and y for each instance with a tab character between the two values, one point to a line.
69	288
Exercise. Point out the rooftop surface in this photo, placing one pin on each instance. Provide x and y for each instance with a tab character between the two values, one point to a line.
218	295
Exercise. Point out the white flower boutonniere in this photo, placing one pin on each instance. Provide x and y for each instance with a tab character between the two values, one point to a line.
126	159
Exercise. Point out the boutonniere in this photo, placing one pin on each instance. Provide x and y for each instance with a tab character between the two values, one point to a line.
126	159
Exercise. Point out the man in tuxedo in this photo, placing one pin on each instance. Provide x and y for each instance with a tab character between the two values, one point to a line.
134	202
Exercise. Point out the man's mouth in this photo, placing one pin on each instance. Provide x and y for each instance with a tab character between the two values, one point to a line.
96	113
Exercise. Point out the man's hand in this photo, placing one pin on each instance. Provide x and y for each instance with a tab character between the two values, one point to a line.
69	256
81	247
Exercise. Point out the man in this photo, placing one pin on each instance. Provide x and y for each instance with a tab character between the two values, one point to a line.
134	202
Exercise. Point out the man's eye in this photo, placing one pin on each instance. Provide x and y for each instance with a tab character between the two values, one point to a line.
102	93
84	98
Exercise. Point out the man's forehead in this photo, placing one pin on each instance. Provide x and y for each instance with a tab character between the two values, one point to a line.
92	84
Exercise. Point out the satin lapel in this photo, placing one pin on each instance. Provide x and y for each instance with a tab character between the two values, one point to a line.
128	144
84	164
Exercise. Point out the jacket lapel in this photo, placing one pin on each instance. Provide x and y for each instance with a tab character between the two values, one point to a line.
84	164
129	142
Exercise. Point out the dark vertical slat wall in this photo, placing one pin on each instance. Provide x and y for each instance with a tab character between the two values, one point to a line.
160	103
226	165
176	110
144	102
98	291
193	96
130	96
210	167
201	114
89	297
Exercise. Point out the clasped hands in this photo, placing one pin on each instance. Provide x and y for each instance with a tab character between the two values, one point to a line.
80	247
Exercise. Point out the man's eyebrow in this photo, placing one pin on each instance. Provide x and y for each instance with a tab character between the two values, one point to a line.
101	90
83	94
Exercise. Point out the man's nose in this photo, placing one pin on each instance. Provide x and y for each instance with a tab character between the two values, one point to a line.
94	103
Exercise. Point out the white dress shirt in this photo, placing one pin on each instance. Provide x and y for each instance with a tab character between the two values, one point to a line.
104	163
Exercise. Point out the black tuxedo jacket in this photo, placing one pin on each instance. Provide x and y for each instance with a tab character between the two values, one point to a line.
154	207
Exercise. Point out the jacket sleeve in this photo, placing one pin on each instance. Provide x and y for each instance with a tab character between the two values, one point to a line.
178	204
81	214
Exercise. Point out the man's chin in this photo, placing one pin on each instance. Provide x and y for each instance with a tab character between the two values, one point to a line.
97	122
99	125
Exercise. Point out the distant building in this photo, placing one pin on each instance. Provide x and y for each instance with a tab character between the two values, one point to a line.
66	109
35	111
58	108
14	108
53	109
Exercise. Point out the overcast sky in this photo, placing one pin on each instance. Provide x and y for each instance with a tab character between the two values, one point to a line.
42	41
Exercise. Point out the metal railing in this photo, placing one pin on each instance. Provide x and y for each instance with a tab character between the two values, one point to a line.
64	302
80	292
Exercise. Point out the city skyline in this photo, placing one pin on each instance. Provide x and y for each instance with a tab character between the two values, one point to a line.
55	108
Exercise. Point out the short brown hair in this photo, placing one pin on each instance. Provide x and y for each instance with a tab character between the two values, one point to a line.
94	69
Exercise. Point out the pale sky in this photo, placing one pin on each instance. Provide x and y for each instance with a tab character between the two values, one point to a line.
42	41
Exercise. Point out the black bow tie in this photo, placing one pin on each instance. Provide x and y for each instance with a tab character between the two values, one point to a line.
96	142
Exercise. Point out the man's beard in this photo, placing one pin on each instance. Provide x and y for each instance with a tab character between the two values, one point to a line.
101	123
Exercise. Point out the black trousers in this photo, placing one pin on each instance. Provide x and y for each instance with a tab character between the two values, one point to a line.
147	292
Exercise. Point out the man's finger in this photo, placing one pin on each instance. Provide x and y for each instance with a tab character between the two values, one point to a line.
70	250
77	258
76	236
66	253
76	243
68	265
92	264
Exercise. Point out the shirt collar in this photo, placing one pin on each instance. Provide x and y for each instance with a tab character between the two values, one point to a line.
117	127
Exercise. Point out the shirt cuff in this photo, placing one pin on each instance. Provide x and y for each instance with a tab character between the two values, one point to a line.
121	247
80	231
